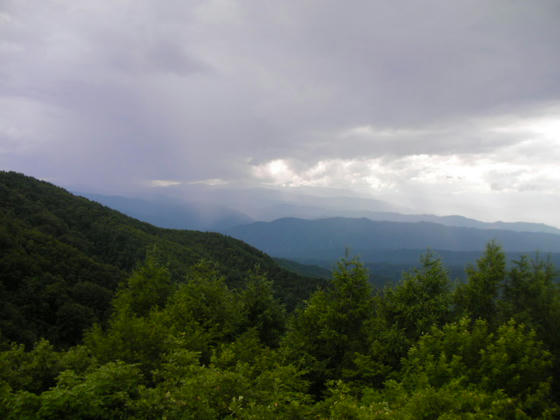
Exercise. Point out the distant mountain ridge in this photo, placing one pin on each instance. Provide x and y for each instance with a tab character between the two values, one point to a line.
173	213
326	239
461	221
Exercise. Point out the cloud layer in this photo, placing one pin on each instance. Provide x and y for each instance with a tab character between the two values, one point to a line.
435	105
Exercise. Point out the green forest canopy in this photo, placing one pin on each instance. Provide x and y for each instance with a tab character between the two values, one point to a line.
62	257
189	341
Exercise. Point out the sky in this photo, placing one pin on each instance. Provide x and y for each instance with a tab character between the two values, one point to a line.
432	106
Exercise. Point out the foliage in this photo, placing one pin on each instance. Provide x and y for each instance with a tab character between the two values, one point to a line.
511	361
148	288
421	300
197	332
62	258
403	313
478	297
326	335
262	311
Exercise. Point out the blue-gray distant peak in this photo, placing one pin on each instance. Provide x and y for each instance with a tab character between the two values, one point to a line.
328	238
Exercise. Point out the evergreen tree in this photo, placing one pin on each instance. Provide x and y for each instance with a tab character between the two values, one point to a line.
478	298
262	311
403	313
331	329
421	300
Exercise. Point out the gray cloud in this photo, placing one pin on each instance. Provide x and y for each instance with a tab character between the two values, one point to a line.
122	93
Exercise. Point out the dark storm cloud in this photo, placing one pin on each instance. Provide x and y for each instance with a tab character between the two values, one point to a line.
127	92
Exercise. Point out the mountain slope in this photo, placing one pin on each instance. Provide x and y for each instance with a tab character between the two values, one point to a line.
63	257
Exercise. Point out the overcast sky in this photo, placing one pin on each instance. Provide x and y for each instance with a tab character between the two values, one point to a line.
447	107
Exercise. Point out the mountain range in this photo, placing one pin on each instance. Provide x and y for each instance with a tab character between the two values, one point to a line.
323	241
207	215
64	256
320	230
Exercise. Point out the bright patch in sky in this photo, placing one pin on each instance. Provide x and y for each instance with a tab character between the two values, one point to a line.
527	164
211	182
163	183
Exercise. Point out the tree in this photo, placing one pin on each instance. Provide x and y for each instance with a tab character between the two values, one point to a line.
204	311
111	391
262	311
136	332
148	287
330	330
33	371
403	313
511	361
531	296
478	298
421	300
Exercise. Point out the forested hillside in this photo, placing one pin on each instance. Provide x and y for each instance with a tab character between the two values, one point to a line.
62	258
190	329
